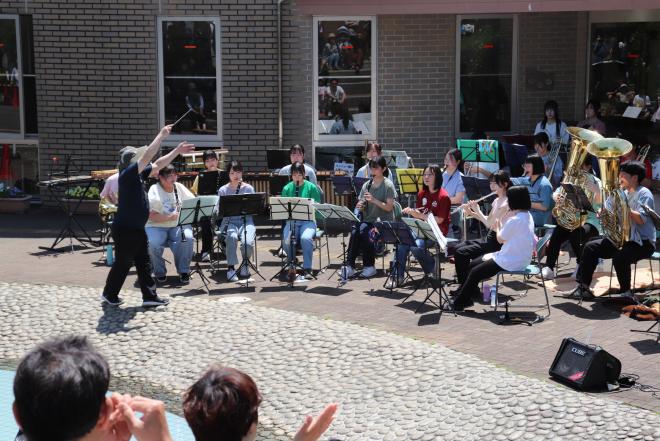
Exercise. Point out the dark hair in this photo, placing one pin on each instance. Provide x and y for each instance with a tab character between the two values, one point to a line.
297	148
235	165
518	198
297	167
541	138
378	161
634	168
167	170
374	144
458	157
595	104
437	172
588	160
209	154
501	178
538	167
60	388
346	117
222	405
551	104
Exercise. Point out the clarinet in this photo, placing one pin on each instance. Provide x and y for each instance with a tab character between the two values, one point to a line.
360	214
224	230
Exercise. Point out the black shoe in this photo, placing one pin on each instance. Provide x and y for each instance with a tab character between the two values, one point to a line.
580	293
114	301
184	278
460	306
160	279
154	301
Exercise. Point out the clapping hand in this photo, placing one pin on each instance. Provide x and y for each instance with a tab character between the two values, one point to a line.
313	428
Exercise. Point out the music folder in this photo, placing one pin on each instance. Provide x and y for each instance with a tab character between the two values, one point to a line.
578	197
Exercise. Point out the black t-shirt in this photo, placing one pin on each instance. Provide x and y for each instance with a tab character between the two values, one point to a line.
133	206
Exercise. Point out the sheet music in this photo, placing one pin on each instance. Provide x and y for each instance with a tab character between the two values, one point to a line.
440	238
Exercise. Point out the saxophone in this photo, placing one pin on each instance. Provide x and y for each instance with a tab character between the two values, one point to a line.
615	214
567	215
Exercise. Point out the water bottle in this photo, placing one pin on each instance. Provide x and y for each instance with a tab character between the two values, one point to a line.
493	296
109	257
486	293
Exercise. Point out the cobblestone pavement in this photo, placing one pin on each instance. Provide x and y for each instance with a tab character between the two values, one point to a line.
389	387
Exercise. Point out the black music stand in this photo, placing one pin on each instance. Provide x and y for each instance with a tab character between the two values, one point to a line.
276	184
395	233
210	181
291	209
342	220
192	210
244	205
277	158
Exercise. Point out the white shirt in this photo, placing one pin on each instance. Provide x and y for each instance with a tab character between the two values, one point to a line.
519	241
490	167
163	202
551	131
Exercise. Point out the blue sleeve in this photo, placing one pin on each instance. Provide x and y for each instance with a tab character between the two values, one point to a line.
646	199
460	187
520	181
559	169
546	195
146	172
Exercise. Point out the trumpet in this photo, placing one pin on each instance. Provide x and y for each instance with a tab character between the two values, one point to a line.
462	206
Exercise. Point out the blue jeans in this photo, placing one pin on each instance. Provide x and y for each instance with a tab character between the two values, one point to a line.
305	233
235	232
424	258
159	238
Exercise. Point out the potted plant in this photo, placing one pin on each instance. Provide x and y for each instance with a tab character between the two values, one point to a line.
13	200
89	199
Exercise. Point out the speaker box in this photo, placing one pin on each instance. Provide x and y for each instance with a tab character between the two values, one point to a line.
585	367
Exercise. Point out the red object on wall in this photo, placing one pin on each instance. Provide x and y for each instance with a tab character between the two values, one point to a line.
5	165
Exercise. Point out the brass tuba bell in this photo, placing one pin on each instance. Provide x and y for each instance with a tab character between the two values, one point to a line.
567	215
615	214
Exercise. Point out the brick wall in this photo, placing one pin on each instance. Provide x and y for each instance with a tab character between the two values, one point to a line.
416	84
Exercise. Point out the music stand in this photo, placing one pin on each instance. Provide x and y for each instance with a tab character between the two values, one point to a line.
429	230
210	181
343	220
276	158
396	233
276	183
479	150
410	181
291	209
653	215
244	205
192	210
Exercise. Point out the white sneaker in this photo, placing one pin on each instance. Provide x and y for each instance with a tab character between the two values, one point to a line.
548	273
346	272
368	271
245	271
575	271
281	253
206	257
300	279
393	283
232	276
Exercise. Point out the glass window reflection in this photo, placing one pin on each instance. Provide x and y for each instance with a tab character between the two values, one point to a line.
10	112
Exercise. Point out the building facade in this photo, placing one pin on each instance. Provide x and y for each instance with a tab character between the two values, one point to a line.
82	78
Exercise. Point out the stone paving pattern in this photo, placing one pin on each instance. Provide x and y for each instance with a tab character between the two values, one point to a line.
390	387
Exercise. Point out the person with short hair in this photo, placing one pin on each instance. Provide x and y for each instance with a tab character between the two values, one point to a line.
376	202
210	158
517	238
305	231
592	119
297	154
128	226
542	148
223	405
60	393
233	227
642	236
540	190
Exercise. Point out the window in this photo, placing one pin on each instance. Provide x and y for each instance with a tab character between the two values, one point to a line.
625	68
486	80
189	77
18	97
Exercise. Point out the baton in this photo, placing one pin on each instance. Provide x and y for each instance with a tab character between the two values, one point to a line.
184	115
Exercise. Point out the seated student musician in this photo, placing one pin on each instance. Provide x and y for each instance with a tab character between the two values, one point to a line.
432	198
60	393
210	159
581	235
542	147
642	236
552	125
452	182
499	214
165	200
305	231
233	227
540	190
375	202
297	154
371	150
517	239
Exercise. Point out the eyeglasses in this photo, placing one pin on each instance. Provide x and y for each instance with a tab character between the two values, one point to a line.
429	174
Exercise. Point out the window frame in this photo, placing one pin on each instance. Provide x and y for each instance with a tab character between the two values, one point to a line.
514	74
19	60
175	138
319	140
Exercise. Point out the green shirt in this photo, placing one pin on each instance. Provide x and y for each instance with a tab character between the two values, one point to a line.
307	190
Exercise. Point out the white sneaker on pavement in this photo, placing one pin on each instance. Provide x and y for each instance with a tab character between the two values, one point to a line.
368	271
548	273
232	276
245	271
346	272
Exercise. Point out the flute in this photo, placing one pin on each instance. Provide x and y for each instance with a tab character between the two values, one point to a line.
460	207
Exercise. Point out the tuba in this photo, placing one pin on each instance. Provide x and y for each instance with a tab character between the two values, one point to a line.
615	214
567	215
